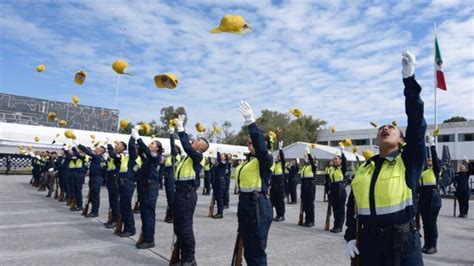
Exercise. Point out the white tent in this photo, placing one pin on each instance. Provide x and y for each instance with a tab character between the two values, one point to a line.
13	135
321	152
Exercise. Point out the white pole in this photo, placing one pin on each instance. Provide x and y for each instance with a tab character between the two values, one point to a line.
435	89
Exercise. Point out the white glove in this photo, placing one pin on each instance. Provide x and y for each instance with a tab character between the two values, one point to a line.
171	131
351	249
50	169
247	112
107	140
180	123
307	151
280	145
32	154
430	140
408	64
298	160
134	133
105	156
342	146
466	159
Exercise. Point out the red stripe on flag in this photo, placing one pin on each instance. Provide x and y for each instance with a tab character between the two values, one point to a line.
440	82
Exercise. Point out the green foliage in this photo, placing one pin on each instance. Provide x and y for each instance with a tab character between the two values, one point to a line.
455	119
127	129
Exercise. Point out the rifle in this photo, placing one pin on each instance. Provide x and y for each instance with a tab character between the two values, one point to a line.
73	202
86	208
140	238
454	209
356	260
211	207
56	192
119	227
328	215
175	255
238	250
61	196
300	220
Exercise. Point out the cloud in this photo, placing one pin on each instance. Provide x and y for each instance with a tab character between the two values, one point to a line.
337	61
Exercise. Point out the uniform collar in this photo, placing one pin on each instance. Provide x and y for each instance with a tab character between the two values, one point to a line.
391	156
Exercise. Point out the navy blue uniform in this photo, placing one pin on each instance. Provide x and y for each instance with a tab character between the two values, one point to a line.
112	185
147	188
293	182
96	177
377	235
80	177
461	182
169	180
338	196
71	176
207	178
227	183
254	210
218	183
308	192
184	202
277	190
430	204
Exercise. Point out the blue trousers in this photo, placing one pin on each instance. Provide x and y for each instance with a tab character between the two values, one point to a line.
218	186
338	197
94	192
169	185
79	181
126	188
62	176
71	179
429	205
277	194
112	190
377	249
308	194
292	185
207	183
226	190
147	196
184	204
255	217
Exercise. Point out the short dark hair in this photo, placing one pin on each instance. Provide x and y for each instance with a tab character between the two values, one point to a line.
207	142
124	145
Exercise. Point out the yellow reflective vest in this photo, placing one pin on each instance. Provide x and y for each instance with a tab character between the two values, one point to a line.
307	171
248	176
391	192
277	168
428	178
336	175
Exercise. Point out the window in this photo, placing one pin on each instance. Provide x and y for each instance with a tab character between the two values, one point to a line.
335	143
446	138
322	142
374	141
466	137
361	142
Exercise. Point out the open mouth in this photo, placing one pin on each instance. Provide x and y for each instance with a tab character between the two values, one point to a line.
384	134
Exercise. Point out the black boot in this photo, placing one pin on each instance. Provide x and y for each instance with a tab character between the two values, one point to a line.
145	245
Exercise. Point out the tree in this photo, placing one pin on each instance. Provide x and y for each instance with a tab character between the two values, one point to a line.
287	129
455	119
166	114
127	129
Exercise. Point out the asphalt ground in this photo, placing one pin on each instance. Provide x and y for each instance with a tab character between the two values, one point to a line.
35	230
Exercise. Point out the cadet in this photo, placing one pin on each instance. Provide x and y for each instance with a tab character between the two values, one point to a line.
82	162
184	202
253	176
170	165
147	187
218	184
277	186
62	175
113	168
461	183
97	170
337	190
384	187
308	187
429	201
292	180
227	180
71	160
207	176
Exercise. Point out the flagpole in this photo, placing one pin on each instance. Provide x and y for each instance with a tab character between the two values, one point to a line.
435	90
118	76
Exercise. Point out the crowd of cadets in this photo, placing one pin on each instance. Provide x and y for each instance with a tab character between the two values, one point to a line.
381	206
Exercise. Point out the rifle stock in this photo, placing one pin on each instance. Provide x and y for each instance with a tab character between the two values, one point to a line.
356	260
211	207
175	254
56	191
238	251
119	227
61	196
140	238
109	216
417	219
300	220
86	208
328	216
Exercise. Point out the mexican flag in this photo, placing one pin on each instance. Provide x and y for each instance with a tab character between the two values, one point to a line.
440	81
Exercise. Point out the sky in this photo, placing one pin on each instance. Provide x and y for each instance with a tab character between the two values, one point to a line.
339	61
